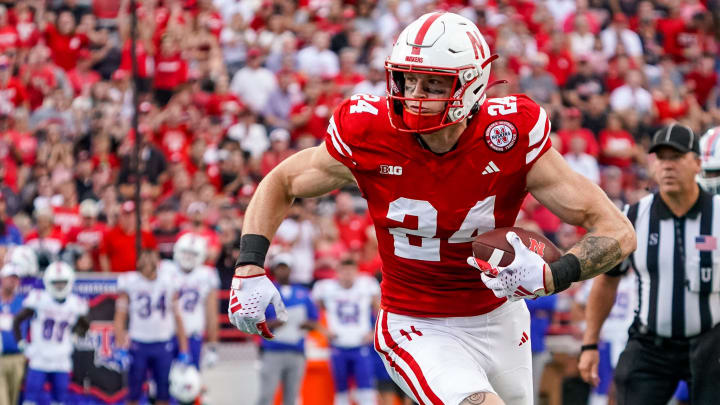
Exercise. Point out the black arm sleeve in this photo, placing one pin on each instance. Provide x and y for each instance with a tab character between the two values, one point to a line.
25	313
81	326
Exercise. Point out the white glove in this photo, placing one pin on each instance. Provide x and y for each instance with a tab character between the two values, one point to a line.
523	278
249	297
210	357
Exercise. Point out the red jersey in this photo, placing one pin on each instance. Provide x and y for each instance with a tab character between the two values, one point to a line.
67	218
53	242
9	38
427	208
13	92
64	47
89	237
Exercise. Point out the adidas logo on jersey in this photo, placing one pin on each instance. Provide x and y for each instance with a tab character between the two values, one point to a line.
523	339
490	168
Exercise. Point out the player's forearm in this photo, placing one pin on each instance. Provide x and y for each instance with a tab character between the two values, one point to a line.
599	304
308	173
213	308
25	313
610	240
180	332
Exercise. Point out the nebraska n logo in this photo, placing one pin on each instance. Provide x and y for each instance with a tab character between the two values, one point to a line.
476	43
537	247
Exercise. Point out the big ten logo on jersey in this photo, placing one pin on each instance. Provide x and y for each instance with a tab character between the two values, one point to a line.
537	247
363	104
392	170
348	312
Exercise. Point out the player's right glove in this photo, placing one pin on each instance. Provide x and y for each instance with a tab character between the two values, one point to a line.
249	297
523	278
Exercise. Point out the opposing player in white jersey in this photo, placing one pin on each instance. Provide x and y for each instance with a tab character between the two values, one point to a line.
349	301
56	314
198	302
148	297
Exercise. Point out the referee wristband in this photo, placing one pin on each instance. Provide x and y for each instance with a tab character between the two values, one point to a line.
592	346
253	249
565	270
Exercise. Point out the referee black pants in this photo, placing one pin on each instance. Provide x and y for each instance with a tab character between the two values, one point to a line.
650	368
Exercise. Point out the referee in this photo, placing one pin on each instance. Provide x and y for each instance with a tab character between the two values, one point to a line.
675	335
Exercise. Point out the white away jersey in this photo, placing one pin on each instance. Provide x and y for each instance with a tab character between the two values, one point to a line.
194	288
51	343
348	311
150	305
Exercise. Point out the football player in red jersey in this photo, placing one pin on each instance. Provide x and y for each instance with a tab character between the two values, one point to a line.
438	164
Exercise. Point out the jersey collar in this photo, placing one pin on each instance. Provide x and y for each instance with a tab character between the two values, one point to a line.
663	212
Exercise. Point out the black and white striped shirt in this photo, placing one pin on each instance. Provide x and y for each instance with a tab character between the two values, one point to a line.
677	263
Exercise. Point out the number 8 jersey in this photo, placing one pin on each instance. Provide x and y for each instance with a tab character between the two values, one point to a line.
150	305
51	343
427	207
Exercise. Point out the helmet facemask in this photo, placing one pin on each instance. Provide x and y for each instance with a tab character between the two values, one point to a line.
456	105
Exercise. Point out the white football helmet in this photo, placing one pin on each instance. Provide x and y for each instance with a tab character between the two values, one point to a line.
709	177
445	44
190	251
58	279
185	382
26	259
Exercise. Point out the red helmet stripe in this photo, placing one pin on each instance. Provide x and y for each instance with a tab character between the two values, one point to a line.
422	32
711	143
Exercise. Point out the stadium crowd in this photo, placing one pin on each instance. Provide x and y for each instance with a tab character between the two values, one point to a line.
229	89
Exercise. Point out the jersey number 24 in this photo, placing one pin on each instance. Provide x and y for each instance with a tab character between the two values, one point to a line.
479	219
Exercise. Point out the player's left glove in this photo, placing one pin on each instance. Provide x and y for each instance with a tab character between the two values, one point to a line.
523	278
249	297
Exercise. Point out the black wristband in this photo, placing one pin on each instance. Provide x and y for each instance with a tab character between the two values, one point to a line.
592	346
253	249
565	270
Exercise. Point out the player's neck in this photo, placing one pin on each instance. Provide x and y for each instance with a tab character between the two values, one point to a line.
443	140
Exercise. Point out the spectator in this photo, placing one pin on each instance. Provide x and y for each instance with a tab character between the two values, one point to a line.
374	82
619	33
539	84
251	135
617	146
62	39
89	233
583	84
631	98
671	102
582	162
196	213
351	225
12	89
279	150
166	230
281	100
46	239
254	83
582	41
171	70
702	79
571	129
117	250
317	59
348	76
12	361
9	233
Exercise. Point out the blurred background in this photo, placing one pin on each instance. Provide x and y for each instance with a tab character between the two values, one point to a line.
228	89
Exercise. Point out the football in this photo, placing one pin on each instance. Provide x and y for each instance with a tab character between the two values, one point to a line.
493	247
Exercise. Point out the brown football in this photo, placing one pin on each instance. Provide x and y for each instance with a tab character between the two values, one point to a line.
492	246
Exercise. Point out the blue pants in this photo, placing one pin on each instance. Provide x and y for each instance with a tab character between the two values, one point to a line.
353	362
35	382
605	368
150	357
195	344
